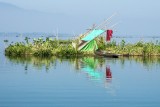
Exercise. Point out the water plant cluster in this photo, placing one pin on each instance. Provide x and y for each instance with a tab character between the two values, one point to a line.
49	47
42	48
139	48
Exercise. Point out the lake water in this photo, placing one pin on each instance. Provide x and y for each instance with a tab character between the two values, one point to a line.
78	82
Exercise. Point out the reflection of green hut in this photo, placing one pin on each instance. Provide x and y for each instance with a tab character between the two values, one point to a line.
92	73
89	67
90	61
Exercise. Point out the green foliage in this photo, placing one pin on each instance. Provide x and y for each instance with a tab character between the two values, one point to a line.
139	48
18	49
43	52
111	44
101	42
122	44
139	44
6	41
66	51
27	40
42	48
49	47
148	49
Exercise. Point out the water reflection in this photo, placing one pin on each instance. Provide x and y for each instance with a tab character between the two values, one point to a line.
147	62
90	66
108	73
99	70
38	63
93	66
111	88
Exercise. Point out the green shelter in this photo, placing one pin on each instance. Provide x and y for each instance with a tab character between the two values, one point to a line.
90	44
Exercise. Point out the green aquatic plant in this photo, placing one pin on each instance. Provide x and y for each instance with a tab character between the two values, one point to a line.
111	44
66	50
43	52
49	47
140	48
139	44
6	41
27	40
18	49
101	42
122	44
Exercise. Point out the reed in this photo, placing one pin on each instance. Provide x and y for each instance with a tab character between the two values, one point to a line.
138	49
49	47
18	49
42	48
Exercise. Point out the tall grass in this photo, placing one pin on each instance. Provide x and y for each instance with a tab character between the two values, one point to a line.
49	47
42	48
140	48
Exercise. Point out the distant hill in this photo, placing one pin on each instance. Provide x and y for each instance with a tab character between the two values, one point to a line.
17	19
9	7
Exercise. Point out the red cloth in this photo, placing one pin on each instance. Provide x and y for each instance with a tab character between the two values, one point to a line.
108	73
109	35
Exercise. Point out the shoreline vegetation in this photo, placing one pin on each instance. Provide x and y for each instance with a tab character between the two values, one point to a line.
64	48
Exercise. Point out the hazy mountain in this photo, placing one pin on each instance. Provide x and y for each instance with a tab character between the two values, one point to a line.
7	6
16	19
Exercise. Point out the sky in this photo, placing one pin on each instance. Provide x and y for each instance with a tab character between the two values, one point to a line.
74	16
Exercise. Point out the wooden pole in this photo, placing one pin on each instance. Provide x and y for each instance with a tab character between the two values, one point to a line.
106	21
102	24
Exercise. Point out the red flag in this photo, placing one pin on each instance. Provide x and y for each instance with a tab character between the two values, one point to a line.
109	35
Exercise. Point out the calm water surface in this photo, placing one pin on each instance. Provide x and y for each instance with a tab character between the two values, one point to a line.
78	82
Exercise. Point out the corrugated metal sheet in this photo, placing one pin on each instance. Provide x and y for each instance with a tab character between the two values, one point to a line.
93	35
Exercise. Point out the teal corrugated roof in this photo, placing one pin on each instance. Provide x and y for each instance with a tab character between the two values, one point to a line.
93	35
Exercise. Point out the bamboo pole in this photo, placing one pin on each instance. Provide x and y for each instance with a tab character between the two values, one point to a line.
99	26
106	21
114	25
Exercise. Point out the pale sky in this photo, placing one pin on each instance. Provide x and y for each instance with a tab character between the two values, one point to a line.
135	7
132	14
